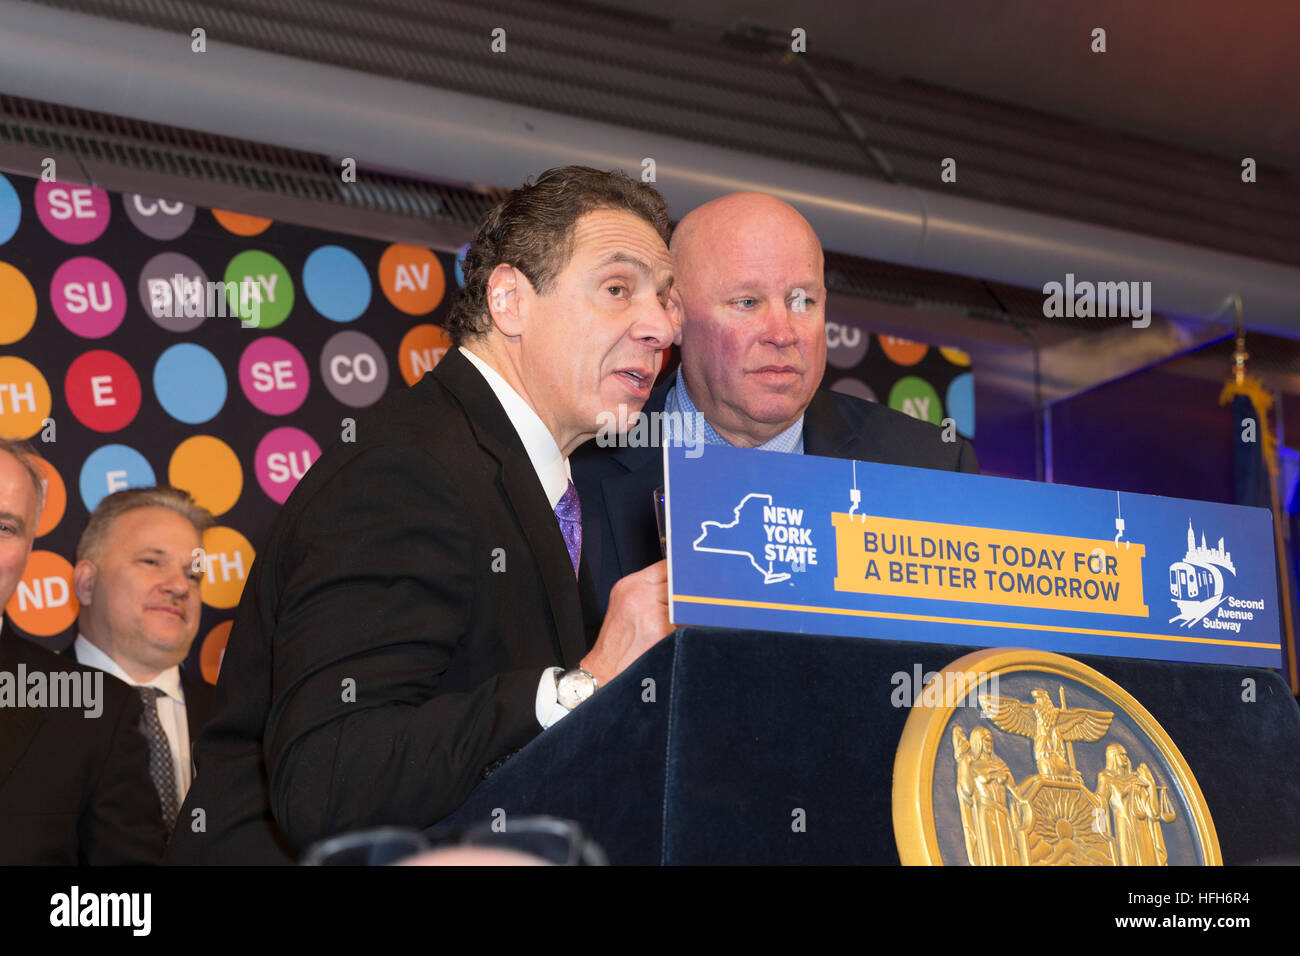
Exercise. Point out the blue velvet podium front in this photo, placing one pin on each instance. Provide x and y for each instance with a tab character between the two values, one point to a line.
728	747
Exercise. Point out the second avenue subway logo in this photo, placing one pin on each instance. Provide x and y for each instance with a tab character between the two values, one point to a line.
1197	586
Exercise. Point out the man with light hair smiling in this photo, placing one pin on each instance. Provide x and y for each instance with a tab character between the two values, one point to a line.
74	784
139	566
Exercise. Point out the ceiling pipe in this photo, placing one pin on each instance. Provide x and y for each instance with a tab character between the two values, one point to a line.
150	74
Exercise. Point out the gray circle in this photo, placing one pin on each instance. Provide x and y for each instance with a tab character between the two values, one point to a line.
354	369
158	218
176	305
856	388
845	344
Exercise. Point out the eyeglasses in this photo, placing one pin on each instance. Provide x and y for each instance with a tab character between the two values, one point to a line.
549	839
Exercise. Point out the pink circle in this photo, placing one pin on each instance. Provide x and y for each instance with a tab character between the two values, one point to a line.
274	376
75	214
88	297
281	459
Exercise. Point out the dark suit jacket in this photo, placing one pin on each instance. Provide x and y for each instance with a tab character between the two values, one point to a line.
198	702
619	532
389	643
74	789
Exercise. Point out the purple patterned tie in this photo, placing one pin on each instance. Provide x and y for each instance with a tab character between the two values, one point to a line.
569	514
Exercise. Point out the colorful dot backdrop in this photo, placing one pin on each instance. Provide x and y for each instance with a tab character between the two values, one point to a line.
109	347
121	372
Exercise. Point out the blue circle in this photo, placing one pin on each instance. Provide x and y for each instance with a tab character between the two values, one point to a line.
111	468
336	283
189	383
11	211
960	402
460	265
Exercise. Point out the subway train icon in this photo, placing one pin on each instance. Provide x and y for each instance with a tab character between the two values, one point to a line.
1196	582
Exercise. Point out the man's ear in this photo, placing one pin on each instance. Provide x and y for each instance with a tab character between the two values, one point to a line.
83	581
509	294
675	315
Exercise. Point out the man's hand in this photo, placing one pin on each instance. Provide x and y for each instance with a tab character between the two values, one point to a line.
636	620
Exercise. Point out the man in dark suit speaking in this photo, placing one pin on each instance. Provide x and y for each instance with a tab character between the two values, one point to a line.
749	274
422	609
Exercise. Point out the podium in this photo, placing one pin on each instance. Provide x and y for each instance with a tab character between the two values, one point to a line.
732	747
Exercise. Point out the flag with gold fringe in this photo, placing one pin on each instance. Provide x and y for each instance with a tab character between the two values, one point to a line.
1255	471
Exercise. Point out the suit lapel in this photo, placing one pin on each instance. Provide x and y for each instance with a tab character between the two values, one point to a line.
592	617
18	725
831	433
198	702
547	543
825	432
629	509
498	437
17	730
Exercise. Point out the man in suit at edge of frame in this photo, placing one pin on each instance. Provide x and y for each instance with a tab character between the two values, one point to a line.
74	773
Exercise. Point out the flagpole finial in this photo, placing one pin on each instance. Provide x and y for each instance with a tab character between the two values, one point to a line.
1239	354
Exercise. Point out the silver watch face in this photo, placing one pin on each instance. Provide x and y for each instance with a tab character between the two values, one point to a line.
574	687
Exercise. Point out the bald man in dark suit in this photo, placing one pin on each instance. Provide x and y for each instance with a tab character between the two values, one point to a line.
749	276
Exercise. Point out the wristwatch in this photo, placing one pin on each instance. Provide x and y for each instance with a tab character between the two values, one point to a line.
575	686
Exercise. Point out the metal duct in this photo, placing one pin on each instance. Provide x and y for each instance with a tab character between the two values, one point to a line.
151	74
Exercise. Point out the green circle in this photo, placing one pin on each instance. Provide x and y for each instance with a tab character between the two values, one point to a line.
916	397
267	274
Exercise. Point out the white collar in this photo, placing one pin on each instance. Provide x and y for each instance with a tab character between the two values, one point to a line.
552	467
169	681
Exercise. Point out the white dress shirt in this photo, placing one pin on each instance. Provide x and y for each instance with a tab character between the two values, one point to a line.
553	472
171	708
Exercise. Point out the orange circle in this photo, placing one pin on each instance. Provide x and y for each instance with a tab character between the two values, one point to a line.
44	603
241	224
229	558
213	650
955	356
209	470
56	497
412	278
422	348
903	351
24	398
17	304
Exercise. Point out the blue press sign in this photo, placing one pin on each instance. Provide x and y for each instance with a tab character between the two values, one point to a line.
765	541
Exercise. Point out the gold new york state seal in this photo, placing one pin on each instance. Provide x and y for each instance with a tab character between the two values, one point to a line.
1056	766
